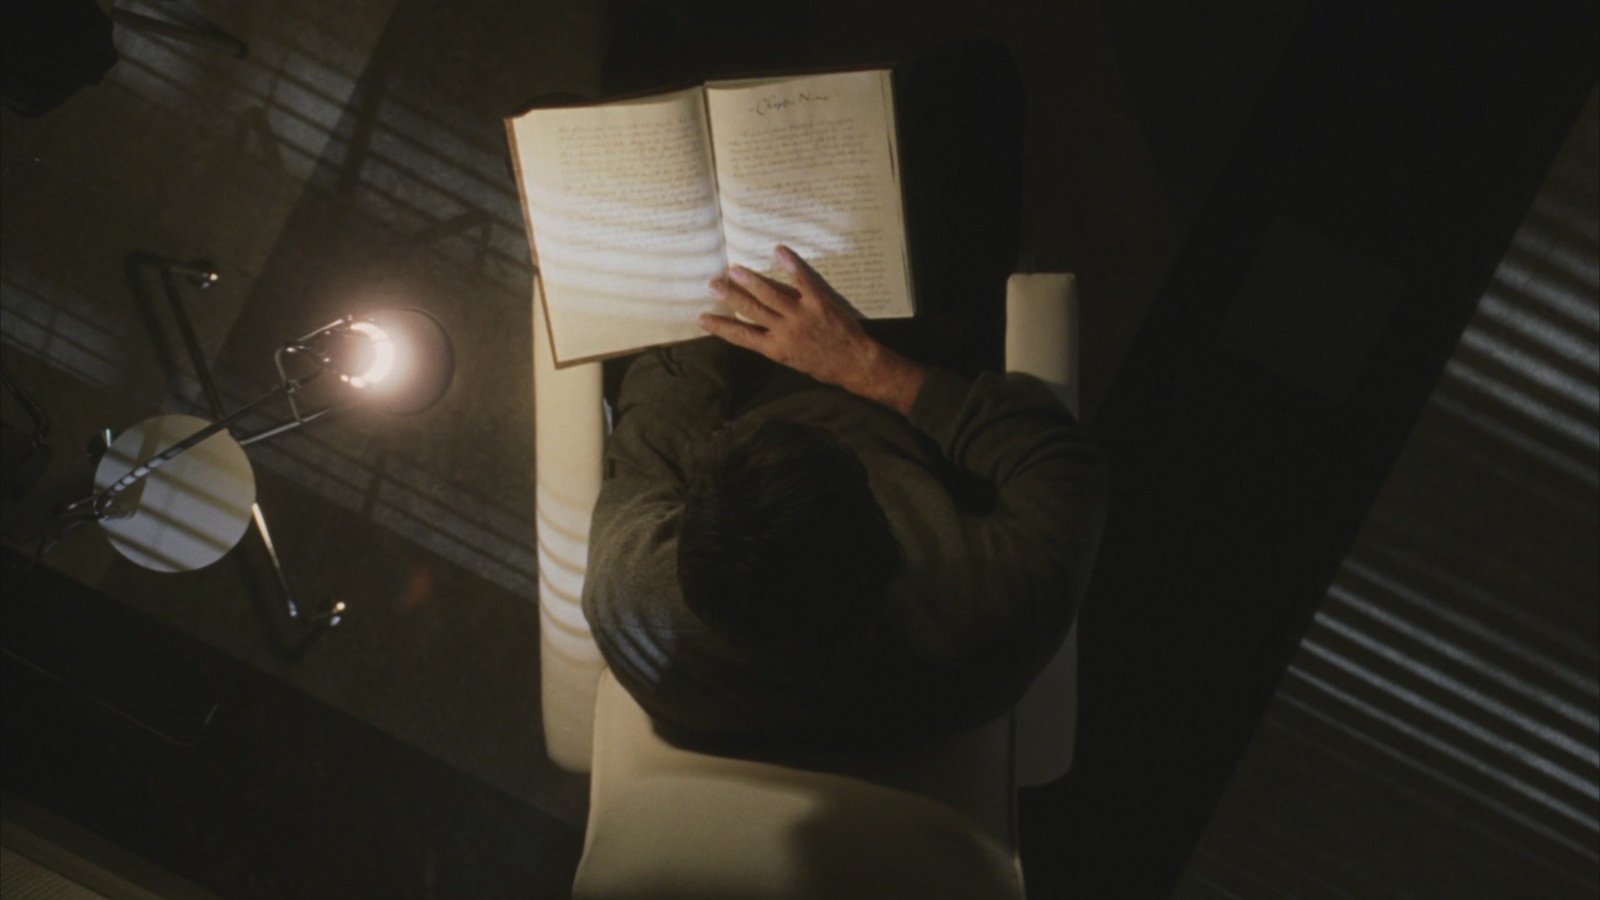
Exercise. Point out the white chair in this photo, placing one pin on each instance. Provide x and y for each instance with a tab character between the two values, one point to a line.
667	822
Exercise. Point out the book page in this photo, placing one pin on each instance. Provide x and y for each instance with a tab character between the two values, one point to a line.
621	201
811	162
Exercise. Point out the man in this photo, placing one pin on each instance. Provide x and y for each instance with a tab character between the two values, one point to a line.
807	538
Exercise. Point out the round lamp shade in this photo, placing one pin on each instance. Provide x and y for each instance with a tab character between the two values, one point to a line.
189	512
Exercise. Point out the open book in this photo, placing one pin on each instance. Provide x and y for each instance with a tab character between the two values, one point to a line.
634	206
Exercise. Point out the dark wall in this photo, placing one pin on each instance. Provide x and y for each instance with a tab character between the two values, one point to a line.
1322	288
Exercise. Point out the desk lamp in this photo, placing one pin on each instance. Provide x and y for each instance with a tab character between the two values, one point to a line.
176	493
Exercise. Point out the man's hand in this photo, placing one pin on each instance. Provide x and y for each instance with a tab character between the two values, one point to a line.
808	328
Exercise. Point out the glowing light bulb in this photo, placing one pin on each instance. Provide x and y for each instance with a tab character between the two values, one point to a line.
383	355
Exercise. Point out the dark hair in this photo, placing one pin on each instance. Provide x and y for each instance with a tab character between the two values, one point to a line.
783	547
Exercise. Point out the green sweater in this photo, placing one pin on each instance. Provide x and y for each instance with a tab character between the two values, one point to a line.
994	493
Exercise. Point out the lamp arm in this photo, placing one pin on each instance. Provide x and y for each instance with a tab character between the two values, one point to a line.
202	275
291	425
103	500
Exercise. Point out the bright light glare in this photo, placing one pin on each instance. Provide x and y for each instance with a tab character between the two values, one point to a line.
383	355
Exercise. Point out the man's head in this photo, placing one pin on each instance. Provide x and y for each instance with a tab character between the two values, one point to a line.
783	547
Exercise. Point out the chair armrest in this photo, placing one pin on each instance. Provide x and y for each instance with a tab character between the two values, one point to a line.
1042	331
569	442
1042	340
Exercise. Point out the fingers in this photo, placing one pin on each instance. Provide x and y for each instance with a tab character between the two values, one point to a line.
776	315
771	294
742	303
734	331
804	276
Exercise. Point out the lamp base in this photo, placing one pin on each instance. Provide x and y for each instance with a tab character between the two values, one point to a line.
186	514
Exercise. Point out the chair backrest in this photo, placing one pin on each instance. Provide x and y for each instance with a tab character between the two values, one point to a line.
665	822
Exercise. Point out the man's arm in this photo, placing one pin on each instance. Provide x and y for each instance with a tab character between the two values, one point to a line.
671	398
1003	602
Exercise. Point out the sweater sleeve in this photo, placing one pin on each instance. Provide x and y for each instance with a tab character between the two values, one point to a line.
1004	608
671	398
